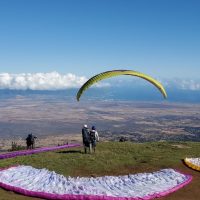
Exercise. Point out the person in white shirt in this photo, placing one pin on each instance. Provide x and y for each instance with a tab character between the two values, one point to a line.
94	137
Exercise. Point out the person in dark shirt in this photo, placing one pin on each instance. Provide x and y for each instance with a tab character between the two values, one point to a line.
30	141
86	138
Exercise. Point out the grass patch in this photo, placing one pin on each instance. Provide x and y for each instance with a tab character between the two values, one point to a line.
111	158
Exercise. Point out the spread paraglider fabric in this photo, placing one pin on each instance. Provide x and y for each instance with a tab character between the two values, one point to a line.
50	185
193	163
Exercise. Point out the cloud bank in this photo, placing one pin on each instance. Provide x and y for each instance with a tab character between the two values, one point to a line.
40	81
182	84
173	83
56	81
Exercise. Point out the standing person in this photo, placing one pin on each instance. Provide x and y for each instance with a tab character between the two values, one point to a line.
94	137
30	141
86	138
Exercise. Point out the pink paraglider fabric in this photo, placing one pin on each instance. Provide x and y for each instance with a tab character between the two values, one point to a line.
46	184
34	151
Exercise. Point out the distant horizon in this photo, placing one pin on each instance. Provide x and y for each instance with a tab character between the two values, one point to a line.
111	93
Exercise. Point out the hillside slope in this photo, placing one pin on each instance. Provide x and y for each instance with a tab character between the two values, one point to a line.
114	158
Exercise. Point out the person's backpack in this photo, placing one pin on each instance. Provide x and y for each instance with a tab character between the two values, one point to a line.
86	136
92	135
32	139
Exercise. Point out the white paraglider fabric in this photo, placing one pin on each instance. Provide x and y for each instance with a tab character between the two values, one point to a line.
44	183
194	163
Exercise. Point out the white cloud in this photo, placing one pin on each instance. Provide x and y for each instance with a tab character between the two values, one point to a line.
183	84
40	81
56	81
173	83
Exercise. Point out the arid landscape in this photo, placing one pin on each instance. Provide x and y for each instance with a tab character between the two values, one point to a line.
59	120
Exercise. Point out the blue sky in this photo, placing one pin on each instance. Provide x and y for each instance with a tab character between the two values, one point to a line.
157	37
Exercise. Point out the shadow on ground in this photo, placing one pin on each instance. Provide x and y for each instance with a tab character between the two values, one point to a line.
71	151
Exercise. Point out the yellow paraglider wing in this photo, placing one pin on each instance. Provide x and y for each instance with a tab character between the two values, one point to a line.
109	74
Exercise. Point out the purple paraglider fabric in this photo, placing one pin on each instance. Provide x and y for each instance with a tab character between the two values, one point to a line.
34	151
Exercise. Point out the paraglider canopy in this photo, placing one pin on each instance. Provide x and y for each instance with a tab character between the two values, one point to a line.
109	74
